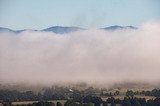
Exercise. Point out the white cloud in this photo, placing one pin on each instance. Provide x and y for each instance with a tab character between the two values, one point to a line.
92	56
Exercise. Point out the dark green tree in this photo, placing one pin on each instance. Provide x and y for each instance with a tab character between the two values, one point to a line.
129	93
92	99
135	102
126	102
59	104
105	104
150	102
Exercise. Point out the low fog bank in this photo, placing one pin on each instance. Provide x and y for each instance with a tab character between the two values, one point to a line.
92	56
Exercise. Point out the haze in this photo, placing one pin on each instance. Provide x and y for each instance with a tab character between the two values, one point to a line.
91	56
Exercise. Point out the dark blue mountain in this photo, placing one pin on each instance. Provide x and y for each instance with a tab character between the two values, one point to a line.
18	31
5	30
55	29
116	27
62	30
14	31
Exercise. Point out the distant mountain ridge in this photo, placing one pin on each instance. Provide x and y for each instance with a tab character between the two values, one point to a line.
116	27
65	29
62	30
5	29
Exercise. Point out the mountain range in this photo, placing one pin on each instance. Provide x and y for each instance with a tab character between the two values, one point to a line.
64	29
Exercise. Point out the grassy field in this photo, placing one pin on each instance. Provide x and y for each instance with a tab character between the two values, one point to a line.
24	102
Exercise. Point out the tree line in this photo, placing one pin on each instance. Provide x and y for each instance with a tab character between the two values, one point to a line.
97	101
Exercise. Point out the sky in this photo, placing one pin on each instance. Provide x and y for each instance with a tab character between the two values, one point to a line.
93	55
39	14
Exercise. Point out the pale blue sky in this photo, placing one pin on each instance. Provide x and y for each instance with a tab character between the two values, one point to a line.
39	14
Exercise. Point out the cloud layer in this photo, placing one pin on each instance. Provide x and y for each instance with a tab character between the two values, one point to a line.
92	56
